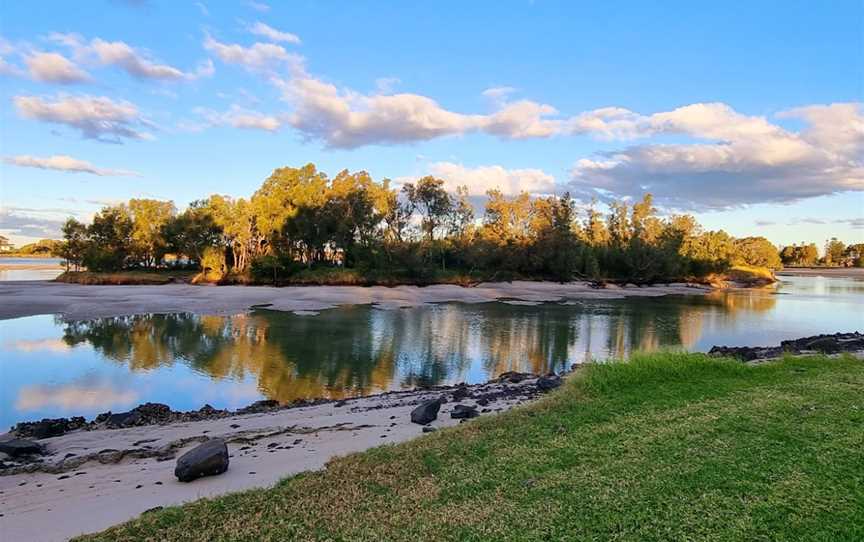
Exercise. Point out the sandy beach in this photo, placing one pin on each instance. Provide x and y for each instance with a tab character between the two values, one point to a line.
90	480
75	301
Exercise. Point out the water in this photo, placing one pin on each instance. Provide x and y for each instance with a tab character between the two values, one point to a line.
53	368
29	268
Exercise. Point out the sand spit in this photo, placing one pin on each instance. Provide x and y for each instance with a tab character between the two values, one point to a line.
90	480
75	301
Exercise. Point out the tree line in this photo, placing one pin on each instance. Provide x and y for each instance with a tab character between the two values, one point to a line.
301	219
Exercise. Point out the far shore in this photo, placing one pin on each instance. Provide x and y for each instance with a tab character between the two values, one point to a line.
837	272
76	302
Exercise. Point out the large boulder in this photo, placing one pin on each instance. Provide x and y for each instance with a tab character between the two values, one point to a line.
548	382
18	447
207	459
426	412
463	412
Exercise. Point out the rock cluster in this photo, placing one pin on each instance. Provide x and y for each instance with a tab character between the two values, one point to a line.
827	344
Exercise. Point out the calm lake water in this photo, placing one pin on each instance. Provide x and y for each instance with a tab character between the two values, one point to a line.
51	368
29	268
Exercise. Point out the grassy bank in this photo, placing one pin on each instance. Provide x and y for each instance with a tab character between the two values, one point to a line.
335	276
668	447
125	277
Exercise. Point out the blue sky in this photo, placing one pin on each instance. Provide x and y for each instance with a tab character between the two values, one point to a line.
746	114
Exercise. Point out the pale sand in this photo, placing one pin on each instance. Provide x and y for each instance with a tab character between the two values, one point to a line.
96	495
75	301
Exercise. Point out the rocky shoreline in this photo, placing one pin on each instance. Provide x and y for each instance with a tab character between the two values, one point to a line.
817	344
120	465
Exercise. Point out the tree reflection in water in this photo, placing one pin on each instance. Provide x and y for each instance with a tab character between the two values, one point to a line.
361	350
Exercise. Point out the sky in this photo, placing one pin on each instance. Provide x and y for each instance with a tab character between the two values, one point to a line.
748	115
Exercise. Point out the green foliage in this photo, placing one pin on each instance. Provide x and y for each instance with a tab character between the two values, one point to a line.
799	255
757	251
300	217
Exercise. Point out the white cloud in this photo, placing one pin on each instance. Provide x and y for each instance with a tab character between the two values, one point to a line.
498	94
348	119
481	179
261	57
261	29
122	55
203	8
239	117
66	164
747	159
258	6
54	68
97	117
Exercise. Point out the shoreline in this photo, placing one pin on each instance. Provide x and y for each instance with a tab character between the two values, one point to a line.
116	474
118	467
829	272
79	302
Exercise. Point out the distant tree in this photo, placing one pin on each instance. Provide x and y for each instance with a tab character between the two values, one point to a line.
110	239
834	251
75	244
5	245
803	255
757	251
429	198
854	255
192	232
149	217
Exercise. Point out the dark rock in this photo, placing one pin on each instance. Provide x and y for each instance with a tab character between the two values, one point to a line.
483	401
123	419
460	393
18	447
426	412
48	427
259	406
829	344
548	382
463	412
428	429
514	377
207	459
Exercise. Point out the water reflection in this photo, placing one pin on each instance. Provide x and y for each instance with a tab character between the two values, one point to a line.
51	367
362	350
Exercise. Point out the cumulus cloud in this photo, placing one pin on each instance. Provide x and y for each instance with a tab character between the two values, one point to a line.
54	68
239	117
746	159
260	57
136	63
66	164
481	179
96	117
267	31
343	118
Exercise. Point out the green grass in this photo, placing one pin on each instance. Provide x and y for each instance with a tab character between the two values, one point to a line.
665	447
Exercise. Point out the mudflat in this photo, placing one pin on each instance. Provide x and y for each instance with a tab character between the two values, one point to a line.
75	301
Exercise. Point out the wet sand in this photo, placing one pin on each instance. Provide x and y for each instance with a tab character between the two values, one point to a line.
75	301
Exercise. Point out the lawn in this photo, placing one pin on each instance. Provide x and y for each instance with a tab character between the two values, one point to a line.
665	447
